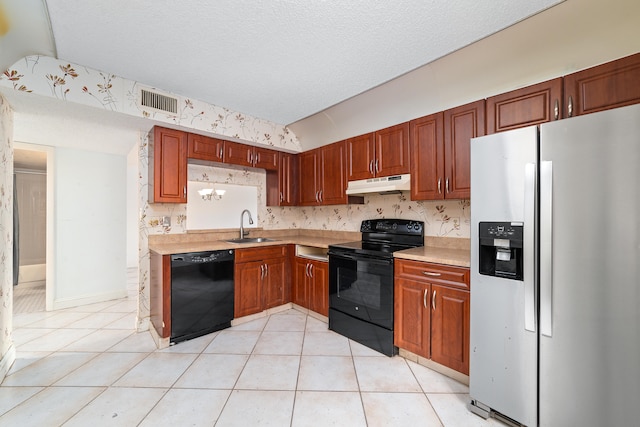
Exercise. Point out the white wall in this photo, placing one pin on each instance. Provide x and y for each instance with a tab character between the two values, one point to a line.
7	350
90	227
90	203
132	208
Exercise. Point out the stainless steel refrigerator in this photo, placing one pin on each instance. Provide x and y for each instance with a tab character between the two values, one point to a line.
555	272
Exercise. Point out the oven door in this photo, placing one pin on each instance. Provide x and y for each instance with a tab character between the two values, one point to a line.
362	286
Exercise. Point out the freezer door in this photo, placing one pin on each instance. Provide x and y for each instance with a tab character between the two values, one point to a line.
589	274
503	359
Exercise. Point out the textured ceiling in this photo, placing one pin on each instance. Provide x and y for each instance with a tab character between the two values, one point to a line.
280	60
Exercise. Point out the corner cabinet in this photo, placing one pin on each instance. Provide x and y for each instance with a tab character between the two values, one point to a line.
282	185
531	105
311	285
611	85
432	312
168	166
261	276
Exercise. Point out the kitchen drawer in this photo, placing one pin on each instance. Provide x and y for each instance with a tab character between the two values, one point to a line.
261	253
445	275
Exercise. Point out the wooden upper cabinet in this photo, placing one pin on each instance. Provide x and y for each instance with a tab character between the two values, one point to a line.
361	157
611	85
460	125
333	181
309	177
247	155
282	185
168	167
427	158
392	150
205	148
382	153
323	176
238	154
532	105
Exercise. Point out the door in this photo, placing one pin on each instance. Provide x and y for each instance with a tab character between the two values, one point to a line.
460	125
610	85
427	160
501	308
300	288
333	170
412	326
308	176
274	282
361	157
392	150
169	168
589	275
450	328
319	287
248	283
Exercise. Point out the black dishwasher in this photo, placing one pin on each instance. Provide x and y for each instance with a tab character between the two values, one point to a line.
201	293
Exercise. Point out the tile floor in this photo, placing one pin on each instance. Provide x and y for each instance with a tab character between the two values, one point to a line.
86	366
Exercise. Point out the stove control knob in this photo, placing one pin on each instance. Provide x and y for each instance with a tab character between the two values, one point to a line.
394	226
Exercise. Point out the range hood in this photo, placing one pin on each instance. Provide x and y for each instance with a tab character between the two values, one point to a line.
384	185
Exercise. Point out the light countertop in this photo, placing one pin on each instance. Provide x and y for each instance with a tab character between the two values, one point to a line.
441	250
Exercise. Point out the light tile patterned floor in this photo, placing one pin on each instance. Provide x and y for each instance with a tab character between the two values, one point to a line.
86	366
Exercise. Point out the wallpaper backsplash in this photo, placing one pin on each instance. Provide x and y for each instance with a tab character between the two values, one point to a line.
53	78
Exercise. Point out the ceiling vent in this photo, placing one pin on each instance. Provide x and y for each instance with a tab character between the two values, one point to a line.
158	102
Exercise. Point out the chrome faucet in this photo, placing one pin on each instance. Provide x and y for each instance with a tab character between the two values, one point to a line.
242	232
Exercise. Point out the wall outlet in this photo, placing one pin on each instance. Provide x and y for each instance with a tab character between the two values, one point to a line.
166	221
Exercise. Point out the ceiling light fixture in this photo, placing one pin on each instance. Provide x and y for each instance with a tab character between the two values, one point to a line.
211	194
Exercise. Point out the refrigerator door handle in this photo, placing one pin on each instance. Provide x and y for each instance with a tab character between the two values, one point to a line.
546	246
529	248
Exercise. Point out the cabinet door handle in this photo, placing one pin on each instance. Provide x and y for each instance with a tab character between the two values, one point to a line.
439	185
570	106
431	273
446	184
317	199
311	270
377	166
371	167
556	110
184	191
266	270
221	152
320	193
424	297
307	270
281	196
433	300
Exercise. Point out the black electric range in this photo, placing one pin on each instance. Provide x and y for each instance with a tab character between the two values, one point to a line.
361	281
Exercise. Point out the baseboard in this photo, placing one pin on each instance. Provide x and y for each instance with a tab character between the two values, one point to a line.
428	363
75	302
7	361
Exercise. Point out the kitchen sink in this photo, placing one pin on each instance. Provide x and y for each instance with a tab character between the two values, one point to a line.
251	240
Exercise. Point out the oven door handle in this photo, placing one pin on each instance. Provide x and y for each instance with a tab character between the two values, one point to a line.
359	257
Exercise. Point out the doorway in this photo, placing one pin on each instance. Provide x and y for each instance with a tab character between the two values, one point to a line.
32	202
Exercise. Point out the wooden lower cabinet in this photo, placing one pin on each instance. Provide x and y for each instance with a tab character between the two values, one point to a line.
260	277
432	312
450	327
311	285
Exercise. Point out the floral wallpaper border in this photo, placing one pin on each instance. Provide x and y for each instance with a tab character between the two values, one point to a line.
51	77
